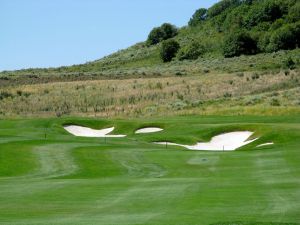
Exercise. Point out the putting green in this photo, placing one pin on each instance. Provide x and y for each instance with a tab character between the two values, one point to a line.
48	176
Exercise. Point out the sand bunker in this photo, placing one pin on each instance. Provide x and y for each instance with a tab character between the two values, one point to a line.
265	144
80	131
148	130
223	142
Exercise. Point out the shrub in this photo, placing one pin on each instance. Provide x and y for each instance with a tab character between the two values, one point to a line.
169	50
199	16
161	33
5	94
286	37
274	102
238	43
289	64
191	51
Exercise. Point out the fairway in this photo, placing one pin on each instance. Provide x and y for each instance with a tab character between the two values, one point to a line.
49	176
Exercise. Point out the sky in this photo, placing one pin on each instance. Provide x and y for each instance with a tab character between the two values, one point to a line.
51	33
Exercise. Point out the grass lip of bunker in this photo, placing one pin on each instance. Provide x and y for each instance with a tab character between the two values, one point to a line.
223	142
265	144
81	131
147	130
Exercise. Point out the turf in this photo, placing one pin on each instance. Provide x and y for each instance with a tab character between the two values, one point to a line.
48	176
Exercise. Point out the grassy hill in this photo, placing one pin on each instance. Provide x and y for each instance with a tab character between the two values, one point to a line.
263	77
264	21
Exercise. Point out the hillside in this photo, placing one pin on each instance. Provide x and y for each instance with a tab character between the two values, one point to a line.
237	57
272	24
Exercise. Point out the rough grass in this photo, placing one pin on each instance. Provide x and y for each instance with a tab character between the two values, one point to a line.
228	93
62	179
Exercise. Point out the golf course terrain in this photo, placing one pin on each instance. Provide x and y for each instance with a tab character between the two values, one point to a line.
49	176
195	125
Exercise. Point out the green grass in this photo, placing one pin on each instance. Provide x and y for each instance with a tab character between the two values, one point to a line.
62	179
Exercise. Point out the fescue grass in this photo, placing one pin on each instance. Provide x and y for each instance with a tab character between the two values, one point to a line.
231	94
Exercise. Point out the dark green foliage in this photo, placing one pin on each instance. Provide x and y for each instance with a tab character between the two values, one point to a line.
155	36
169	50
221	6
239	43
161	33
289	63
264	11
294	13
5	94
235	19
191	51
199	16
286	37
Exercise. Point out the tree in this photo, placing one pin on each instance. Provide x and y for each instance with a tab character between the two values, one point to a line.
265	11
169	30
221	6
239	43
294	13
169	50
155	36
164	32
191	51
199	16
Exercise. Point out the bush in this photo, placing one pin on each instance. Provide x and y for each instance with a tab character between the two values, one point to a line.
5	94
199	16
161	33
191	51
238	43
169	50
289	64
274	102
286	37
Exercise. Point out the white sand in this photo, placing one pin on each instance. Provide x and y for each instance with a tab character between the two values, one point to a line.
148	130
265	144
223	142
80	131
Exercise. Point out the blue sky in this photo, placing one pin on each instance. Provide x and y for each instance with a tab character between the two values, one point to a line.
50	33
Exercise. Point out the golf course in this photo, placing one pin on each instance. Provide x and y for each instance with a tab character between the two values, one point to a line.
49	176
144	112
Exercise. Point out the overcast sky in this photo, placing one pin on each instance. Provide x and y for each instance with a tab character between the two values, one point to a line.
50	33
